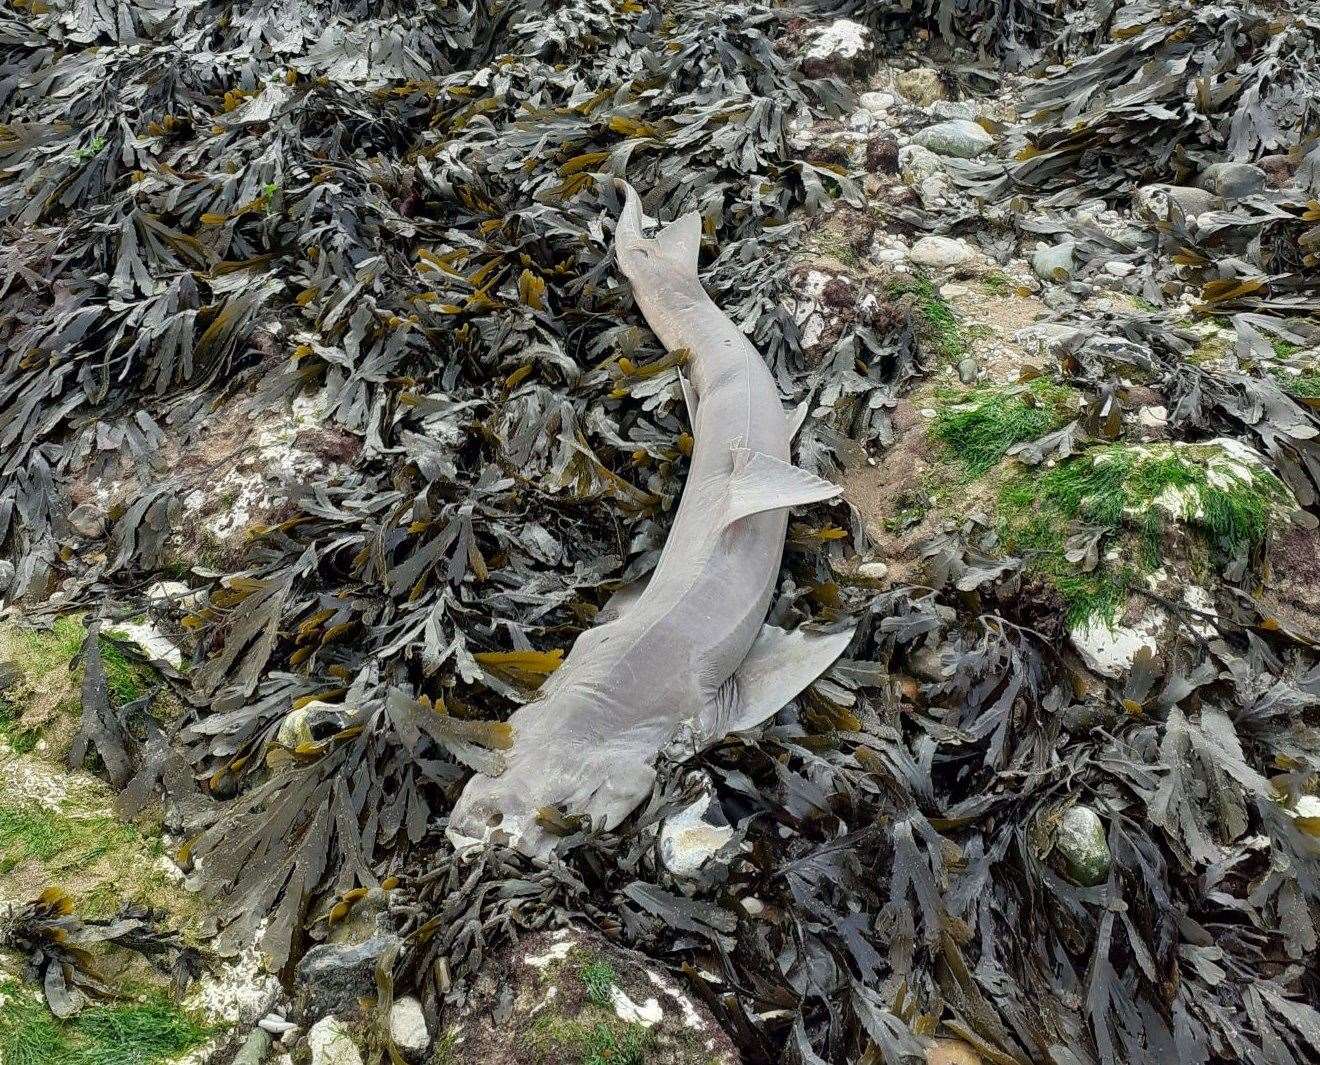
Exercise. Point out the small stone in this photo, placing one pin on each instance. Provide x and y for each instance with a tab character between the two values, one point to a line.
968	370
958	137
331	1043
309	723
1082	845
1120	269
916	163
861	121
752	906
408	1026
277	1025
921	86
841	48
1153	202
88	521
927	664
876	102
1233	180
1054	262
688	840
951	1052
1047	338
254	1049
150	640
882	154
873	571
1153	417
941	253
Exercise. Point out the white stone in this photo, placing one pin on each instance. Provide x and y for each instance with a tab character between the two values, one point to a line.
1046	338
941	253
876	102
1120	269
557	952
841	39
753	906
151	641
916	163
688	841
237	992
1111	650
1054	262
874	571
408	1026
1153	417
331	1044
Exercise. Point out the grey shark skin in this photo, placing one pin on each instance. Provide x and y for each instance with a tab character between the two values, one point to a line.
687	660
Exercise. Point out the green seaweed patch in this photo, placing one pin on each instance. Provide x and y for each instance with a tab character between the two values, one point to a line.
42	658
599	977
939	326
1132	494
595	1039
977	427
143	1032
1300	386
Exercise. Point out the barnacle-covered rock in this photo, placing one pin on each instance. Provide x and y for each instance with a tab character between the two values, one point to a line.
1082	844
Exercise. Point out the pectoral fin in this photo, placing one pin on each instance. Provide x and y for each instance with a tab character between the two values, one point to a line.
762	482
777	669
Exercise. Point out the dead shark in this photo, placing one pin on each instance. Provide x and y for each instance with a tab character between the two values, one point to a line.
686	660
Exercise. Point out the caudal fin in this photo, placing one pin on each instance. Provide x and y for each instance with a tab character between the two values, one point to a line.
674	250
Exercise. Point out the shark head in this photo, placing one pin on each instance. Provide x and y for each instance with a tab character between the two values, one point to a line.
657	263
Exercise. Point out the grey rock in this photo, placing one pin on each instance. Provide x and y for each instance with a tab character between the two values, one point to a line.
1153	202
921	86
254	1049
841	48
916	163
941	253
957	137
967	371
1082	846
88	520
408	1026
331	1043
1054	263
1233	180
332	977
945	109
876	102
926	663
1047	338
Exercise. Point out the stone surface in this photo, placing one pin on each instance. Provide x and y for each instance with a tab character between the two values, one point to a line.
255	1048
1054	262
1154	201
873	571
1082	845
951	1052
941	253
1047	338
921	86
916	163
88	520
408	1026
315	721
876	102
958	137
1233	180
841	48
1110	650
968	370
331	1043
691	837
546	996
945	109
332	977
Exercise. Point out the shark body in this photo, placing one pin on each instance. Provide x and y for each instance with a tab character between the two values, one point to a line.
686	660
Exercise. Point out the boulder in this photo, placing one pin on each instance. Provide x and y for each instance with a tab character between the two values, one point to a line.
921	86
573	996
958	137
841	49
946	109
1232	181
333	977
941	253
916	163
408	1027
1154	202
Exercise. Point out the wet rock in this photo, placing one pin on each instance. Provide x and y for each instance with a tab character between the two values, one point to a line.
691	837
951	1052
958	137
1109	650
309	723
921	86
575	983
408	1027
842	49
331	1043
968	371
1153	202
332	977
873	571
941	253
88	520
1054	262
1082	845
1232	181
1119	269
916	163
254	1049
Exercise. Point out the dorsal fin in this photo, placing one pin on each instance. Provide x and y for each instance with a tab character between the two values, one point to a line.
762	482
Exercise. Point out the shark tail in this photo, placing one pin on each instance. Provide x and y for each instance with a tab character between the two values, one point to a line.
676	246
